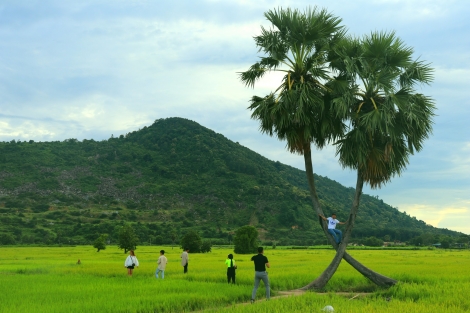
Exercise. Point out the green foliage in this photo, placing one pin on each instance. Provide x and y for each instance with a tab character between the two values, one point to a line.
14	203
373	242
214	190
100	242
45	280
246	240
7	239
445	243
389	119
128	240
206	246
297	46
192	241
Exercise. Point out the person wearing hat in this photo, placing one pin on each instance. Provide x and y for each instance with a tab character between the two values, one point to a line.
162	261
231	267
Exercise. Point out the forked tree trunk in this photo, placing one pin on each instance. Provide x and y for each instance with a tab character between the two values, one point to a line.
341	253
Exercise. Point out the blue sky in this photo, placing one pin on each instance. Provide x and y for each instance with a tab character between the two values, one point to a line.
90	69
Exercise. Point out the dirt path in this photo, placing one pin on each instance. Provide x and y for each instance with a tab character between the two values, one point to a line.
295	293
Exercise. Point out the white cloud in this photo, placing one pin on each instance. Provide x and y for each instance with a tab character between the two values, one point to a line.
438	216
89	70
419	9
25	130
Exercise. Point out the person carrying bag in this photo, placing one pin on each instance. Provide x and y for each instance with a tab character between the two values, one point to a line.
231	267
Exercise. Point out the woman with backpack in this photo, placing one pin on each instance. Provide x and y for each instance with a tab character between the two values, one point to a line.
231	267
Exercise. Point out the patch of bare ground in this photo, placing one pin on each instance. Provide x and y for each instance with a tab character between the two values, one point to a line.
298	292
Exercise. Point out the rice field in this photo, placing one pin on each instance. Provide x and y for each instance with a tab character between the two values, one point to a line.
47	279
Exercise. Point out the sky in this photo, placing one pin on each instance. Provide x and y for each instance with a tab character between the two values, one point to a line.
93	69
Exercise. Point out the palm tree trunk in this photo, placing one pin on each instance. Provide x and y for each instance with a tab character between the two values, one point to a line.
341	253
378	279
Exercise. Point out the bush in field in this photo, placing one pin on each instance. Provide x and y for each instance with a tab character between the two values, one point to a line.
373	242
192	241
128	240
246	240
206	246
100	242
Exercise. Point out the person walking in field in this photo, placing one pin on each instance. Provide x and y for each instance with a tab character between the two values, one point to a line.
261	262
231	267
336	233
131	262
162	261
185	260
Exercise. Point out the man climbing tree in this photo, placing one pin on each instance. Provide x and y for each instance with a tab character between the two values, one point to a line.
312	106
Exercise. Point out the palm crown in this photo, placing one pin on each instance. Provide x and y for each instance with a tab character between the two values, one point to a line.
297	45
388	119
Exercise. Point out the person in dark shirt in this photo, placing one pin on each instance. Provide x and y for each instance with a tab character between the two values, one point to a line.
261	262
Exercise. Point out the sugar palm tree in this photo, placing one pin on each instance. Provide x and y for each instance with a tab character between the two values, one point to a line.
388	119
297	46
300	110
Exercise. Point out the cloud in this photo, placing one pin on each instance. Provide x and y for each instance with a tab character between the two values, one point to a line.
89	69
452	216
436	215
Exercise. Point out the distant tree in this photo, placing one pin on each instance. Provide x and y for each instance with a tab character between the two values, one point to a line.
246	240
206	246
445	243
192	241
463	238
173	236
158	240
7	239
127	238
100	242
373	242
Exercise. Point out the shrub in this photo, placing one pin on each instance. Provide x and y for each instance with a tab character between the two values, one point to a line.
206	246
373	242
128	240
246	240
192	241
7	239
40	208
100	242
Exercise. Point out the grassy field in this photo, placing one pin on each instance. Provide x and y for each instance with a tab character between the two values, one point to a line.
47	279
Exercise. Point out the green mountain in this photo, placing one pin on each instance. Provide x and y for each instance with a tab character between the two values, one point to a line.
166	179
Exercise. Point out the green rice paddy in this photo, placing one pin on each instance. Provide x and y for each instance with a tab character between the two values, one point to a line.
47	279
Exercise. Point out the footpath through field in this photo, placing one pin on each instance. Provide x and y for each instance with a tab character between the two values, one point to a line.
293	293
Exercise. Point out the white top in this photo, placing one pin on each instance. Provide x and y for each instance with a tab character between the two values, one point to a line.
184	258
162	260
130	260
332	222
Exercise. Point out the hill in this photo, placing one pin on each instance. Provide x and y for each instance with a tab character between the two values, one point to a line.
167	178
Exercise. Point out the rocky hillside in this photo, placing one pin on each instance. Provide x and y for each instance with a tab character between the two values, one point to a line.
166	178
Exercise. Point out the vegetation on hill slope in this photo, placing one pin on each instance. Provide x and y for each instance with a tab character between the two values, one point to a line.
166	179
